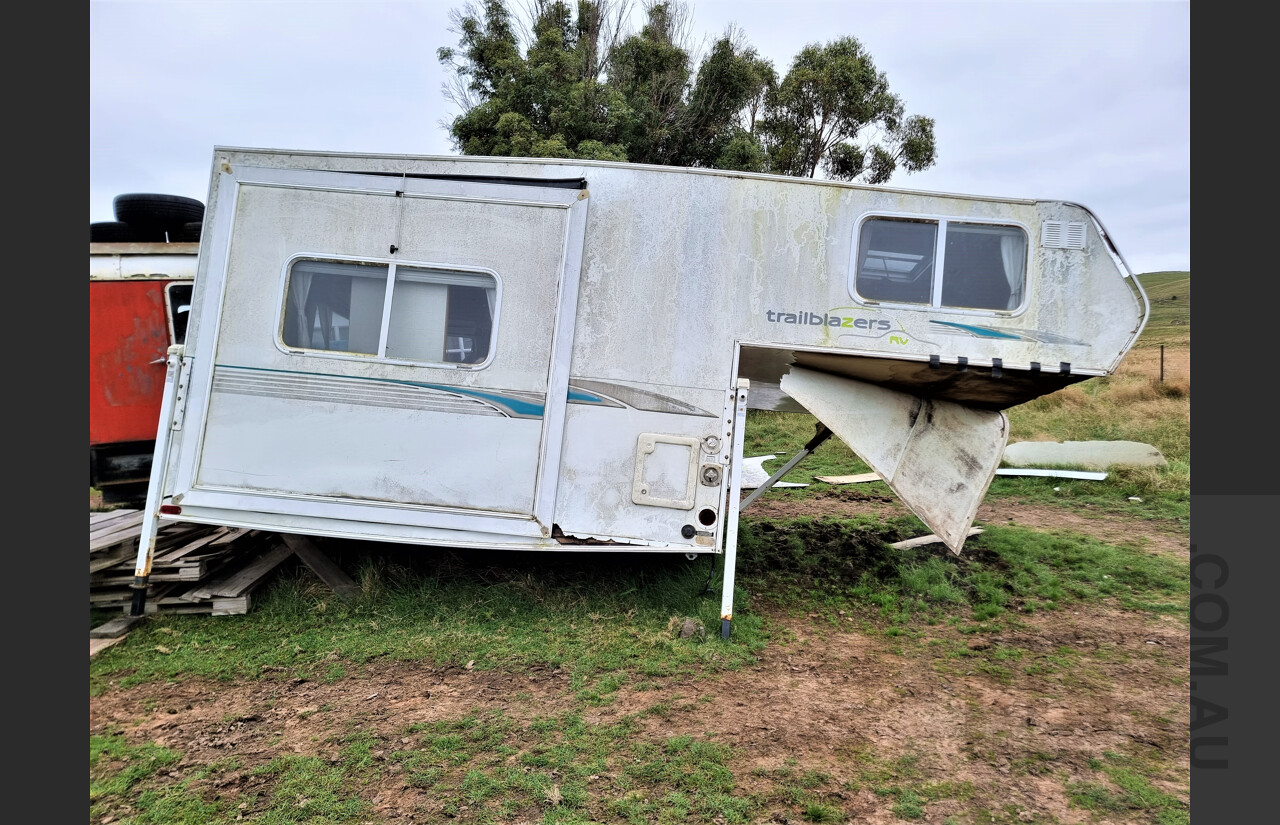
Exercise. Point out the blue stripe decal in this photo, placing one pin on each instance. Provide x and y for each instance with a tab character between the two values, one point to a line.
981	332
577	395
516	405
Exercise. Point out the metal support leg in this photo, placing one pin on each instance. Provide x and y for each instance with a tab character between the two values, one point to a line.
159	461
731	523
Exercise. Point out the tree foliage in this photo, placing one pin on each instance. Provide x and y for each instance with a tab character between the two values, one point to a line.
832	96
573	82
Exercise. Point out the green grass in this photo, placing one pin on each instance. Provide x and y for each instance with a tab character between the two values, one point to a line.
135	764
121	780
902	780
783	434
484	767
1121	788
1169	322
599	617
309	789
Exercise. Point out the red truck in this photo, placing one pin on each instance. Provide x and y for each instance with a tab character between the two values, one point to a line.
141	269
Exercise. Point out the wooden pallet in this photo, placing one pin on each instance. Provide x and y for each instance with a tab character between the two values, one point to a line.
195	568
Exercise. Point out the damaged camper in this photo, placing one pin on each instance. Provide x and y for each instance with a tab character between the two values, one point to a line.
557	354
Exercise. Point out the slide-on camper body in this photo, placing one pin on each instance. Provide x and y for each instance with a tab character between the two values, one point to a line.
546	354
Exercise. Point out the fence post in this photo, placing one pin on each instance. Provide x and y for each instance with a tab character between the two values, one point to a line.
1162	363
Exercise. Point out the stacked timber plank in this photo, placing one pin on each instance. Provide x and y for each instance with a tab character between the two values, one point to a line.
195	568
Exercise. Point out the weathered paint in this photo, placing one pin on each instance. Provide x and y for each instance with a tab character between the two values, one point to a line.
128	336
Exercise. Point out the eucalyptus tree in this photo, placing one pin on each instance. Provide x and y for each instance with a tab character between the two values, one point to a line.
572	81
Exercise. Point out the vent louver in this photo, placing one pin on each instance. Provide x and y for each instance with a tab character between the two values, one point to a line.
1062	234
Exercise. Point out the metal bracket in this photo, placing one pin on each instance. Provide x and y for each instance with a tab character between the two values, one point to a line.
183	365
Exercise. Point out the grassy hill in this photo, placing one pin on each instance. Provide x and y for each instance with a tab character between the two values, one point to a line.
1170	320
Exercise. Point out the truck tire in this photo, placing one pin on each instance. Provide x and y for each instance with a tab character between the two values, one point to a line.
188	233
110	232
163	212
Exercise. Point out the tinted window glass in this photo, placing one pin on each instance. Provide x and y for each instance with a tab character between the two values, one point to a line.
335	306
436	315
985	266
895	261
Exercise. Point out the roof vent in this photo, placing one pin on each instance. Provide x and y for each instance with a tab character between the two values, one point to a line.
1062	235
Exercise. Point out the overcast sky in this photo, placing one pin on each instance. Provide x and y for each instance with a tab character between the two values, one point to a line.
1086	101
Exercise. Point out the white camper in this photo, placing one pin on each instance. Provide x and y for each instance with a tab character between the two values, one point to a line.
548	354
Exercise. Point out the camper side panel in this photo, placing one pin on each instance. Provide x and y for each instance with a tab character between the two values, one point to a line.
350	424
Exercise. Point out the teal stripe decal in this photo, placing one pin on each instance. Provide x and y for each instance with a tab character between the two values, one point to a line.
981	332
516	405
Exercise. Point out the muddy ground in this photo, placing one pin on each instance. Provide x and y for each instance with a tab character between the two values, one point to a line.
834	701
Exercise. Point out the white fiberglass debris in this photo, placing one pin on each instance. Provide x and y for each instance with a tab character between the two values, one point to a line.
753	474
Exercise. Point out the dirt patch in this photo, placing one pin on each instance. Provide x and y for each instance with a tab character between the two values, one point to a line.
837	701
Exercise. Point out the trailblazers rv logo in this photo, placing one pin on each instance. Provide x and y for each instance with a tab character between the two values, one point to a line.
850	327
813	319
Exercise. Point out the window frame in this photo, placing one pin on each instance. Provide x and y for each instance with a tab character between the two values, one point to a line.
940	223
171	311
392	265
